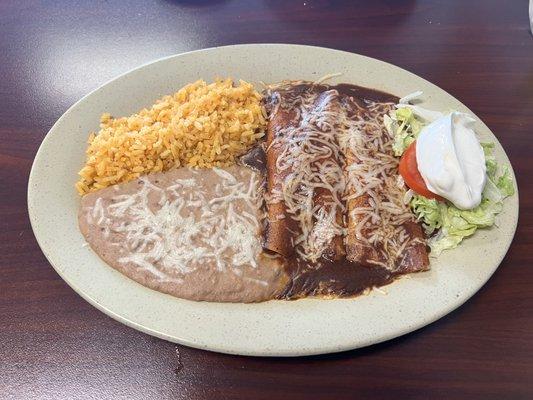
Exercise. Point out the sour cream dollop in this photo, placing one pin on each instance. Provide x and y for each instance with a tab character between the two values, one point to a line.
451	160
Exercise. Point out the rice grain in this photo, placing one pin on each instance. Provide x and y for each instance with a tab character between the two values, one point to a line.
202	125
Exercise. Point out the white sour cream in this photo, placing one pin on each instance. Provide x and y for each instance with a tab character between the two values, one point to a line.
451	160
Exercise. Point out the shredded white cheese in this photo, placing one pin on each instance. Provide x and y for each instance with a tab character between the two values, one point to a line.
341	147
309	149
373	173
176	229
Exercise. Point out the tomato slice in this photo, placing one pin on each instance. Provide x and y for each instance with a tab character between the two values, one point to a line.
411	175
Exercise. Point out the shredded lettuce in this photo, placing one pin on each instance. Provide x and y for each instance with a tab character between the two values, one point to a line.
505	183
428	211
453	224
488	149
405	126
423	113
448	224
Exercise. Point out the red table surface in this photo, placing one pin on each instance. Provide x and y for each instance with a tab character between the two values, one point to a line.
54	345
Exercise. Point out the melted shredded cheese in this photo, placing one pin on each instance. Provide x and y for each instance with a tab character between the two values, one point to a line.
373	173
340	146
309	150
176	229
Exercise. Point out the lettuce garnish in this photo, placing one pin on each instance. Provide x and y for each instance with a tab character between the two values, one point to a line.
446	224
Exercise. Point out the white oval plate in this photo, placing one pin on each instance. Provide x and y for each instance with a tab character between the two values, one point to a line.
274	328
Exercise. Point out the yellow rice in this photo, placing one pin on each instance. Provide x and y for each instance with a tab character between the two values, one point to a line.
199	126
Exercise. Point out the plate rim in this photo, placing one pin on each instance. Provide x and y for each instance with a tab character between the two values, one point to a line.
332	348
